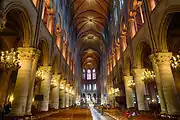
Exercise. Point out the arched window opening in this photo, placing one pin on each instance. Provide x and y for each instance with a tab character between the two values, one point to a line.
88	74
84	74
121	2
94	74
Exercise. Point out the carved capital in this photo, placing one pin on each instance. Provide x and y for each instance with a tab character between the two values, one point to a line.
46	69
26	53
127	78
161	58
37	54
56	77
3	20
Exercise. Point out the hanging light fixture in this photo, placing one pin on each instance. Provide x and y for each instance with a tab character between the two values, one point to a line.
148	75
175	61
9	60
131	84
39	76
53	83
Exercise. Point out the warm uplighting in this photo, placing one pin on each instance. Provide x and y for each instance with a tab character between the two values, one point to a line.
33	99
9	60
148	75
131	84
11	98
175	61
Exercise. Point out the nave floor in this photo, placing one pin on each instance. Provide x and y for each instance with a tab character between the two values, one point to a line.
78	114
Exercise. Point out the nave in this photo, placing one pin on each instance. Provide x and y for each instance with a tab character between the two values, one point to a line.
78	114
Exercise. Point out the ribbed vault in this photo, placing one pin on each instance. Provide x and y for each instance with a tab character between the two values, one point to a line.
89	19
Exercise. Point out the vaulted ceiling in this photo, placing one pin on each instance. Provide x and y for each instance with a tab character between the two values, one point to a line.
89	19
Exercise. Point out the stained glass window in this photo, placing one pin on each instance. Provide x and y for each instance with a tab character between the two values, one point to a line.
84	74
94	74
88	74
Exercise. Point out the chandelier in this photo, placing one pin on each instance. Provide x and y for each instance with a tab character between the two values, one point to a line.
53	84
131	84
9	60
175	61
39	76
148	75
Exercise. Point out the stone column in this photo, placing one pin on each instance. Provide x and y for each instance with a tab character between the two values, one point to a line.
45	87
50	21
158	84
140	89
62	94
132	26
70	96
32	80
23	80
167	81
62	97
55	93
128	91
67	95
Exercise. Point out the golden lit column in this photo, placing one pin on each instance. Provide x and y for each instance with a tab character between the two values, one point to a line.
32	80
67	94
152	4
54	103
71	96
62	94
23	80
168	85
128	91
45	87
158	84
140	89
132	26
50	21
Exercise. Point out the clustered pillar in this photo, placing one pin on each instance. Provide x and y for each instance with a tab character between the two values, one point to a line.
26	56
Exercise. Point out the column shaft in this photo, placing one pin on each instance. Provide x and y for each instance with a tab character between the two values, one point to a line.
169	89
140	90
22	82
55	93
129	92
158	84
45	88
32	80
67	99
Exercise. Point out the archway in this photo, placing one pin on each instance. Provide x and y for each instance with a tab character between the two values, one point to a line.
15	33
173	44
143	62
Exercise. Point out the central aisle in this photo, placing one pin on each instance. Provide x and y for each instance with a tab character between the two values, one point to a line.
78	114
97	116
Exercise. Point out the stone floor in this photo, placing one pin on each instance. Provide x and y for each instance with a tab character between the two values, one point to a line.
71	114
78	114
